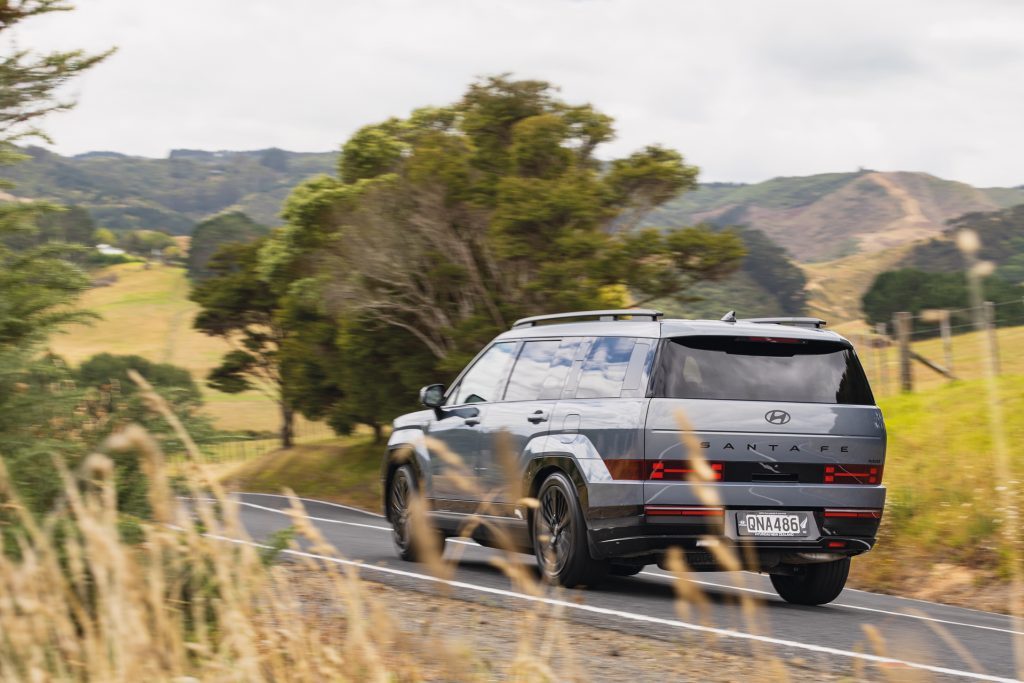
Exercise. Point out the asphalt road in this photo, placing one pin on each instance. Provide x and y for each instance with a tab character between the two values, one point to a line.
947	642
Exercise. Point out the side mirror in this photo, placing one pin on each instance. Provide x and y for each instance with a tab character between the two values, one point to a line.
432	395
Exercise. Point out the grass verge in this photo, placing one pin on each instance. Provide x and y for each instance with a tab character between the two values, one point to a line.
943	515
343	470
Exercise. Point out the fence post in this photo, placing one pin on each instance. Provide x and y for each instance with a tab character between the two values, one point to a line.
901	323
883	356
989	319
947	339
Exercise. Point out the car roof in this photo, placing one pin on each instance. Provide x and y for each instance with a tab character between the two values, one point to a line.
662	329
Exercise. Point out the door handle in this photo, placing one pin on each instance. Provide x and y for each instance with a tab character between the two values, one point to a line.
472	421
538	417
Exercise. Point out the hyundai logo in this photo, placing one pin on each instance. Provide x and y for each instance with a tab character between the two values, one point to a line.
777	417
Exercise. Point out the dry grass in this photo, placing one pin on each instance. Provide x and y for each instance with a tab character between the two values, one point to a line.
185	603
835	288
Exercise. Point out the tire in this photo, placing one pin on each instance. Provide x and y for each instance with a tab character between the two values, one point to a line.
813	584
625	569
560	537
402	491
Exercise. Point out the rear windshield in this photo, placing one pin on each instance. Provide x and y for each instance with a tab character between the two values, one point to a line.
761	369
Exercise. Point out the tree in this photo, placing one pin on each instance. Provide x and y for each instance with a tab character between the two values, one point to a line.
69	225
914	291
213	233
451	223
770	266
145	242
442	228
56	409
37	285
104	236
29	82
241	308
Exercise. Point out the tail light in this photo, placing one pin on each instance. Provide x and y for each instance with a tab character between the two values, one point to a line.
680	470
853	474
854	513
683	511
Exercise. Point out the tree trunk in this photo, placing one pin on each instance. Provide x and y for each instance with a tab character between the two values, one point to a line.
378	432
287	424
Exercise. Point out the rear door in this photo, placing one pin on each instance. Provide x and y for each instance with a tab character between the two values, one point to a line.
513	426
601	417
762	412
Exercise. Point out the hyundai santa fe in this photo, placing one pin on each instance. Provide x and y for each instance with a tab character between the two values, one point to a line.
598	440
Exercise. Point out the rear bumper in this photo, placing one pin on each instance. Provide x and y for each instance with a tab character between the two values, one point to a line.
647	537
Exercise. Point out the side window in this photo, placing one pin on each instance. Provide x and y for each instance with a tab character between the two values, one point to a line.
604	368
561	364
483	382
540	370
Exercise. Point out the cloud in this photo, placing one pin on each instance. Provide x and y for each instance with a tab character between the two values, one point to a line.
746	89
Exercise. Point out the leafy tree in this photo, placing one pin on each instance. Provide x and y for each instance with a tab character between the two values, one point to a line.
914	291
69	225
241	308
55	409
104	236
30	82
212	234
1012	266
144	242
454	221
36	285
769	265
1001	234
105	368
442	228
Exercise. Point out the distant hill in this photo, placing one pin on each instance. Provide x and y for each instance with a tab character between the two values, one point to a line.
767	283
829	216
1001	234
173	194
841	229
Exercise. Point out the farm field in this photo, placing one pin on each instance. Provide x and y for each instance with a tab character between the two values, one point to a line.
147	312
968	353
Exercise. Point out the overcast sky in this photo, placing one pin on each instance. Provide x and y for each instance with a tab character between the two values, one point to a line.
746	90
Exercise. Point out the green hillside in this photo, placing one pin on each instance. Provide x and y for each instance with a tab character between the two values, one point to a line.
842	228
828	216
1001	234
171	194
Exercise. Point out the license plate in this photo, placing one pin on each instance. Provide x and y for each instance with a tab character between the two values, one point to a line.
772	524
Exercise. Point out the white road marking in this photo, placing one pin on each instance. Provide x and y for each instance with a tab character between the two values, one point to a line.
315	519
848	606
727	633
876	610
319	502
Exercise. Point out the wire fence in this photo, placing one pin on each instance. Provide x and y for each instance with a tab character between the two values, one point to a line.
233	448
926	349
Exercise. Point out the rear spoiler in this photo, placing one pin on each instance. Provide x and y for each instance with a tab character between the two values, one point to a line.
816	323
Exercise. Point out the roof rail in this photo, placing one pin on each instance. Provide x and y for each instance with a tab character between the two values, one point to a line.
816	323
609	315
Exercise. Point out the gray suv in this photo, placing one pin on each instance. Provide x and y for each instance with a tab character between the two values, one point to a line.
598	440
